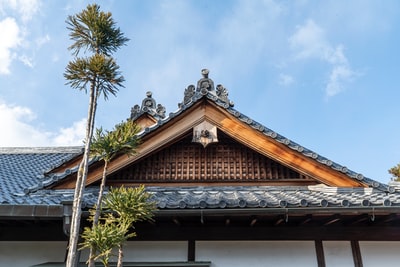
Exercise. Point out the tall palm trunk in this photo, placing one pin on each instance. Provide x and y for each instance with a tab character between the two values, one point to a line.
72	259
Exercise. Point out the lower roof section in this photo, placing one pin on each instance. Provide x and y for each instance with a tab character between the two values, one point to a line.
47	202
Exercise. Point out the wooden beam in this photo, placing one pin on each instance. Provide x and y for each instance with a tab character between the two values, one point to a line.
168	231
306	220
176	221
333	219
281	232
253	222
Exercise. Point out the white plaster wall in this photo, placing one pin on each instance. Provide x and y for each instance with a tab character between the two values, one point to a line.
257	253
380	254
155	251
23	254
149	251
338	253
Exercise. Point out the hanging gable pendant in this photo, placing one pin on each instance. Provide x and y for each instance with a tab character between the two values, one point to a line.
205	133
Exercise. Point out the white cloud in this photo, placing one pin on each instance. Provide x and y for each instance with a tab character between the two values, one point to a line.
26	60
18	129
339	75
14	31
10	40
73	135
310	42
26	9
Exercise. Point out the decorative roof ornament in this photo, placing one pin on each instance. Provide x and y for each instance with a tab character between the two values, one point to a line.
205	133
149	106
222	93
189	93
205	86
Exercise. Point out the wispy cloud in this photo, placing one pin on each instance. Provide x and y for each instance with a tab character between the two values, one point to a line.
13	31
73	135
10	40
25	9
309	42
19	129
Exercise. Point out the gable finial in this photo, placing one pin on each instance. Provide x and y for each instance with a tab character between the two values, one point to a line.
205	84
149	106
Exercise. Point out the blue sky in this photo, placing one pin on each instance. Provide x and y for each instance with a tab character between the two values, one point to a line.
325	74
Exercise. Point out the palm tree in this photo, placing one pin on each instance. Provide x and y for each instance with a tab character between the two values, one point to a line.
106	145
94	32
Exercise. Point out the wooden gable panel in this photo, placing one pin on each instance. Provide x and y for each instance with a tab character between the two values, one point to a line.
181	126
226	161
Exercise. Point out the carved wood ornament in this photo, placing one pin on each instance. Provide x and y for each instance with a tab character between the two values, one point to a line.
205	133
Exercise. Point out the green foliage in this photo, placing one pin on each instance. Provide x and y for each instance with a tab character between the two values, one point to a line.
109	233
95	31
123	207
122	140
132	203
98	70
395	172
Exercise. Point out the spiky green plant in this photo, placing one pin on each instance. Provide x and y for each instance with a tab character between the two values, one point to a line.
395	172
106	145
122	207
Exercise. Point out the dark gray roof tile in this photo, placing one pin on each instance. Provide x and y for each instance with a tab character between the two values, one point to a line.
23	169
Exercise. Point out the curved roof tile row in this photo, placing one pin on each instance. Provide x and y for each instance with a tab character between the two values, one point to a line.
229	197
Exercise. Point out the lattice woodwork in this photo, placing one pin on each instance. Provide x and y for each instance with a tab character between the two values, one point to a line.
225	161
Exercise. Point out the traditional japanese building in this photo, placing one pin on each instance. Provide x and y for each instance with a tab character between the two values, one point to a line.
229	192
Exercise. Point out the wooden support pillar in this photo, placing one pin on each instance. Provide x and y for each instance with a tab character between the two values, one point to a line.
319	249
191	250
355	249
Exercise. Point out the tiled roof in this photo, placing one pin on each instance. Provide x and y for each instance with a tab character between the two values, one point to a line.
226	197
270	197
22	169
23	175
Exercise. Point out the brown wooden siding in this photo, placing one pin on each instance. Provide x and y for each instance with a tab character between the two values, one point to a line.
225	161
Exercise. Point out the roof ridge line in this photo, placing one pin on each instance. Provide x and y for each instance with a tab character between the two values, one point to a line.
42	149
